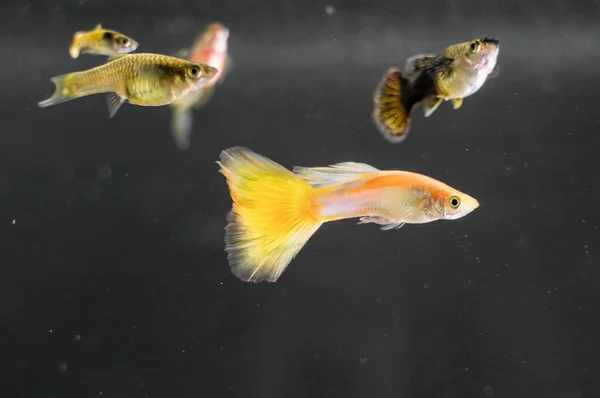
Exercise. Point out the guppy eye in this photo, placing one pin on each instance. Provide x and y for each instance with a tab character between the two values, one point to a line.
454	202
124	42
474	47
194	70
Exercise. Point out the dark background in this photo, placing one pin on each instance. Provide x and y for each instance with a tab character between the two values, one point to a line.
113	277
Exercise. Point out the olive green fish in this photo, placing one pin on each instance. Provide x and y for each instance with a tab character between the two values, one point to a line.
140	79
101	41
428	79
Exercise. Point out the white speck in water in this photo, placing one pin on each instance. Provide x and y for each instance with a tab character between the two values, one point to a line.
14	222
77	337
329	10
104	172
62	367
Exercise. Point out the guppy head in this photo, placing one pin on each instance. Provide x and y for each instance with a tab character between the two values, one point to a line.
482	54
194	75
455	205
118	42
446	203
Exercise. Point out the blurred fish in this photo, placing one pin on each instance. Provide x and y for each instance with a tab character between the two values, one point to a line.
210	48
276	211
100	41
458	72
140	79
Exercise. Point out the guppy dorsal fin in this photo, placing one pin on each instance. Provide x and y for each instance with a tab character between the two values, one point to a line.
417	63
98	27
338	173
440	68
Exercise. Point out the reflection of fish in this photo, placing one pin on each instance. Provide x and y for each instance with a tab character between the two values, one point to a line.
458	72
141	79
101	42
276	211
210	48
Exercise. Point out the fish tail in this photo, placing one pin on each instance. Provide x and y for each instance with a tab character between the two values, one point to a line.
62	92
393	106
75	47
181	127
274	214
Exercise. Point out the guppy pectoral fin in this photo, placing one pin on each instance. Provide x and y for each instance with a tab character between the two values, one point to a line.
457	103
430	104
386	223
494	73
204	97
181	128
114	102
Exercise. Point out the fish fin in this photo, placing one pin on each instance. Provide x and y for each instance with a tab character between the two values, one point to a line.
440	68
74	51
274	214
204	97
386	223
114	102
339	173
228	66
114	57
392	106
181	127
457	102
98	27
417	63
182	53
494	73
430	104
61	93
75	47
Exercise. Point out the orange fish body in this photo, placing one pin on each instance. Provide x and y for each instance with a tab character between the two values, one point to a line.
275	211
397	196
210	48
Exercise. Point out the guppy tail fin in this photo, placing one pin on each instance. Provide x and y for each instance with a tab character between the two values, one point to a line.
61	93
274	214
75	47
393	103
